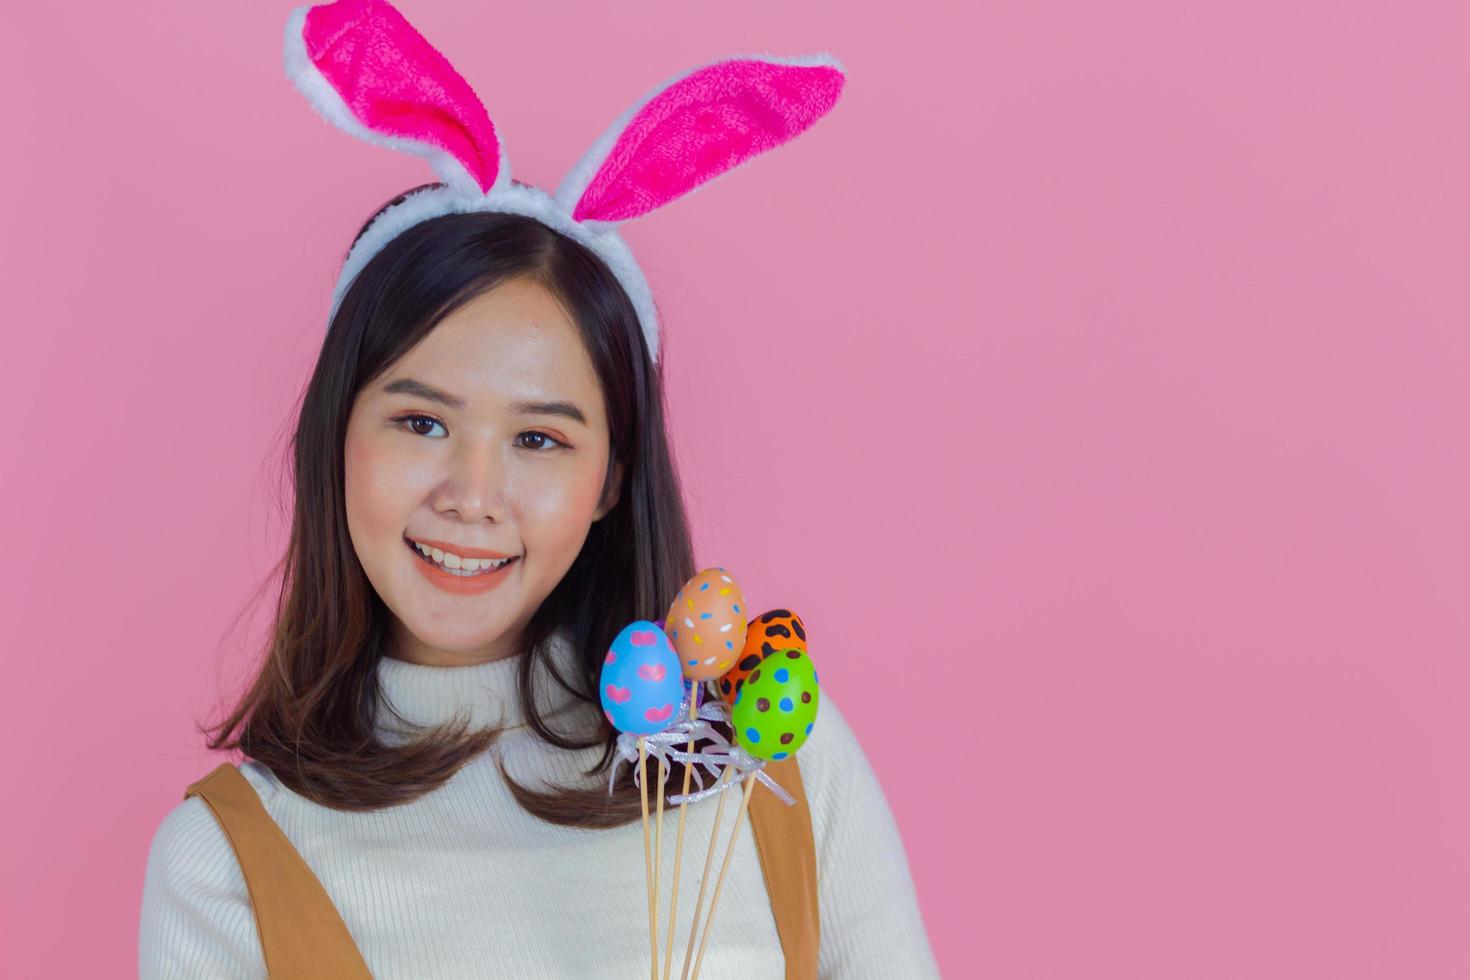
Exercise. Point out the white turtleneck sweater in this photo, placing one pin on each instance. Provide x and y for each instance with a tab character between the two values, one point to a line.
462	882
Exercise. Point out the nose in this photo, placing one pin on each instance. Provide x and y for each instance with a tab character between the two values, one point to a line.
474	487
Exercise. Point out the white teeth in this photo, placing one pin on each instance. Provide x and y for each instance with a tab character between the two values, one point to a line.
454	563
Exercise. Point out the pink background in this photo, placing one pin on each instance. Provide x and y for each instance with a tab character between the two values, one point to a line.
1093	380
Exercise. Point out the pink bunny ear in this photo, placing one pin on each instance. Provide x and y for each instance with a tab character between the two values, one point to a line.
366	69
696	127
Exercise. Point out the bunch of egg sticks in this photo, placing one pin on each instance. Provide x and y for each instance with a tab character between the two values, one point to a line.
706	637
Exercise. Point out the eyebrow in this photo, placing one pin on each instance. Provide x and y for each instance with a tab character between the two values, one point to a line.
408	386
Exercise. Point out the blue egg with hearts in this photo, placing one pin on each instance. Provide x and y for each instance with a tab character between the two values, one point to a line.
641	683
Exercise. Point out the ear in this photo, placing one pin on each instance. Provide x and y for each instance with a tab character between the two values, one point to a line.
367	71
611	492
695	127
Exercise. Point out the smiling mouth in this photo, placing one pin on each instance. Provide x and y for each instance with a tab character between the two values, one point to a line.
458	572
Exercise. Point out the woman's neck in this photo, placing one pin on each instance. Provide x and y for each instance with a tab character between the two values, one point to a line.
488	693
409	648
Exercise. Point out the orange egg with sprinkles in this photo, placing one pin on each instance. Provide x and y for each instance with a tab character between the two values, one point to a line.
778	629
706	624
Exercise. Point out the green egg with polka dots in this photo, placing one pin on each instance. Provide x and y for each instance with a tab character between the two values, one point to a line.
777	705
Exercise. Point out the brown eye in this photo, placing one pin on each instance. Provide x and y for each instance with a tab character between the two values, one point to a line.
545	440
413	422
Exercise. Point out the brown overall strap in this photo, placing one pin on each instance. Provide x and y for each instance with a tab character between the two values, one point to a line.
783	838
301	932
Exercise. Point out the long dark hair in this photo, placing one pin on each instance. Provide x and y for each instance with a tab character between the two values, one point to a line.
310	712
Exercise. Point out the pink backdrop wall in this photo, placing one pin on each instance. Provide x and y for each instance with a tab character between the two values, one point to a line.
1099	400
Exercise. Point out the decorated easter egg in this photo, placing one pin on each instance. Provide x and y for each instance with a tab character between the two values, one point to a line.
779	629
706	624
640	684
776	707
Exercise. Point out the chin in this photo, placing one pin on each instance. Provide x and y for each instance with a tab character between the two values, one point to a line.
457	643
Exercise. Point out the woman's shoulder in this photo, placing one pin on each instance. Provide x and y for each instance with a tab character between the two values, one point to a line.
832	755
191	854
192	826
189	844
196	917
871	924
187	833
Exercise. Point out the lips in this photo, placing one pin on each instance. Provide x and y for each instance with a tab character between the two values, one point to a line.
476	584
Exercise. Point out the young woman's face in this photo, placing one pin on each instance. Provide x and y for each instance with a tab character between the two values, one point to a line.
490	436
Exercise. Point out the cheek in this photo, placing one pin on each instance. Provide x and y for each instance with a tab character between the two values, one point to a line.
562	509
378	489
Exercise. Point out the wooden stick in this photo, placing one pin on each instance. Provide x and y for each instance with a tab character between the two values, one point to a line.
679	845
709	858
714	900
658	850
648	859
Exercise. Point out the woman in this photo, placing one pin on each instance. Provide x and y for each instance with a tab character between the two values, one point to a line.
484	498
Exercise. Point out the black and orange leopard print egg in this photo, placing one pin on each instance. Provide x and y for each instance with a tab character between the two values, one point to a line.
779	629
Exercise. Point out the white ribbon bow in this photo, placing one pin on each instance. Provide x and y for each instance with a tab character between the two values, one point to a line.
716	758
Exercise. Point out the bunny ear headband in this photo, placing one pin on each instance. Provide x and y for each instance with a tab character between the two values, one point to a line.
369	72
